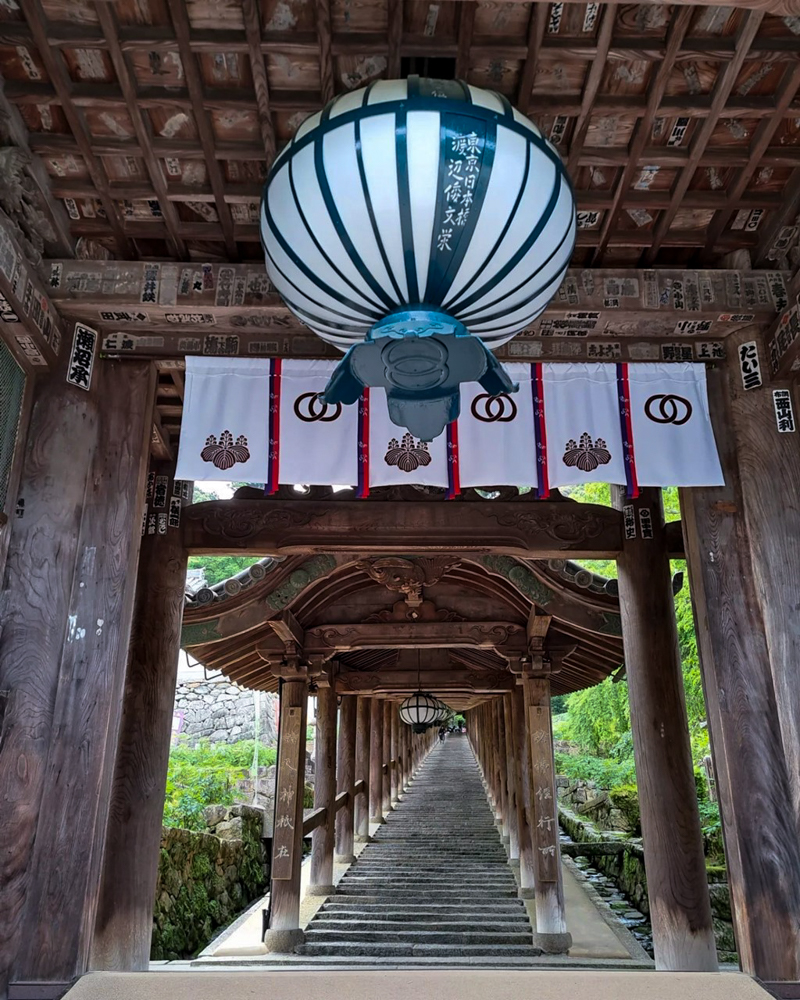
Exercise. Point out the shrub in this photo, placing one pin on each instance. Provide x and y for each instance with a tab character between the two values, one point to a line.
206	774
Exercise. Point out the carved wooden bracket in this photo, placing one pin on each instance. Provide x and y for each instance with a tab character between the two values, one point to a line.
408	577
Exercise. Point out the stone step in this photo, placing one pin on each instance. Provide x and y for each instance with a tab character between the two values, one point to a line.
358	924
419	950
414	936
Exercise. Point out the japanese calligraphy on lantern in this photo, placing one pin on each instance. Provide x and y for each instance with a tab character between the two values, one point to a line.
283	837
544	806
462	168
784	411
749	365
81	361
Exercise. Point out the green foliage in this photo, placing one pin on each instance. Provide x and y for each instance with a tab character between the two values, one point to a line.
219	568
603	771
203	775
598	717
558	704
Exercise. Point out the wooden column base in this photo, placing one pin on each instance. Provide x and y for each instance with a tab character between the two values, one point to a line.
284	942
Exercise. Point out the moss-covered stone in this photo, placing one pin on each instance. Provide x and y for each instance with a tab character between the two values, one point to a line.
204	881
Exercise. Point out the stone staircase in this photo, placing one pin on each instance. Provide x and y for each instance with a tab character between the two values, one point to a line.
434	885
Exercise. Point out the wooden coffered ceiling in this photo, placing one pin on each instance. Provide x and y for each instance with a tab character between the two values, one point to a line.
157	120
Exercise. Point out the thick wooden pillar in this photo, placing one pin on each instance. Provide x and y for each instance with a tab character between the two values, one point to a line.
376	762
322	839
345	779
386	759
742	550
67	606
511	781
401	755
284	933
677	884
361	817
502	772
551	924
394	783
124	925
522	773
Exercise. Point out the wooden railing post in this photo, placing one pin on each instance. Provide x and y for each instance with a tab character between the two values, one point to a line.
322	841
376	762
361	816
522	772
284	933
511	783
394	783
551	924
386	759
345	779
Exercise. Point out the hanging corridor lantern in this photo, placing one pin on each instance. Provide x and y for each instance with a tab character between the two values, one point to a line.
420	711
418	224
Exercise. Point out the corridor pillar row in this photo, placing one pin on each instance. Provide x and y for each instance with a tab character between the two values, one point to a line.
677	883
345	779
361	816
386	783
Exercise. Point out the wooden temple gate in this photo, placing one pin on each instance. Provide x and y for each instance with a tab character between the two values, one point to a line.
131	159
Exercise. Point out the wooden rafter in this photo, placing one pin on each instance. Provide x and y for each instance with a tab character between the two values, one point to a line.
395	37
642	131
592	86
787	89
783	217
326	82
536	30
62	88
258	67
194	84
722	90
110	27
466	23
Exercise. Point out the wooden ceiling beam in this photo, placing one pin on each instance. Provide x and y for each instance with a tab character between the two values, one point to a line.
679	25
194	84
664	156
327	86
536	29
247	193
283	527
723	88
109	96
62	88
110	27
785	216
592	86
65	34
394	37
258	68
466	25
787	89
32	329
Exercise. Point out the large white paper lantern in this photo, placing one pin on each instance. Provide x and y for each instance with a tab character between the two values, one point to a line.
417	210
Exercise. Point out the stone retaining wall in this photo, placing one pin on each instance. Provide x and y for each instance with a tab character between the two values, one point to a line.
205	879
627	871
222	712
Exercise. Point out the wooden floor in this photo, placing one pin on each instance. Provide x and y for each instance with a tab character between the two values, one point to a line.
434	985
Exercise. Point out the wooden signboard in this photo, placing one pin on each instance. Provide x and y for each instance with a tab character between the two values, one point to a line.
283	837
545	831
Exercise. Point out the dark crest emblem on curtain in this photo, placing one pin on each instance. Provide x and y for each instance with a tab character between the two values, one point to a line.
585	454
225	453
407	454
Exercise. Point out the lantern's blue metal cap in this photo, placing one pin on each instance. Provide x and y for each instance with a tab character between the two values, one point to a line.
420	357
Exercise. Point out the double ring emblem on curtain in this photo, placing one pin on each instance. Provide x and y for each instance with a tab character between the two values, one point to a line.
494	409
310	407
670	409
